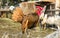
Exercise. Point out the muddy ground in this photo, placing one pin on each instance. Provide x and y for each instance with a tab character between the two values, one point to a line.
11	29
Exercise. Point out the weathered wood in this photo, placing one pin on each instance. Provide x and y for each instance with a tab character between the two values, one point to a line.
53	10
53	1
4	10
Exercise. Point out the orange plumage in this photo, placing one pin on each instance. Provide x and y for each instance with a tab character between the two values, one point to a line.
17	14
26	20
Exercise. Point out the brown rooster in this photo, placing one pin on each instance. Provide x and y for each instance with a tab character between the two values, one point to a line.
28	21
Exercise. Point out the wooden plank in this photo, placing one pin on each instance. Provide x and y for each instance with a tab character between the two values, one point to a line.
4	10
53	10
52	1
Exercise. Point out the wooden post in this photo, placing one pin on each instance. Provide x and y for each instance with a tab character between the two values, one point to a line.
56	6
